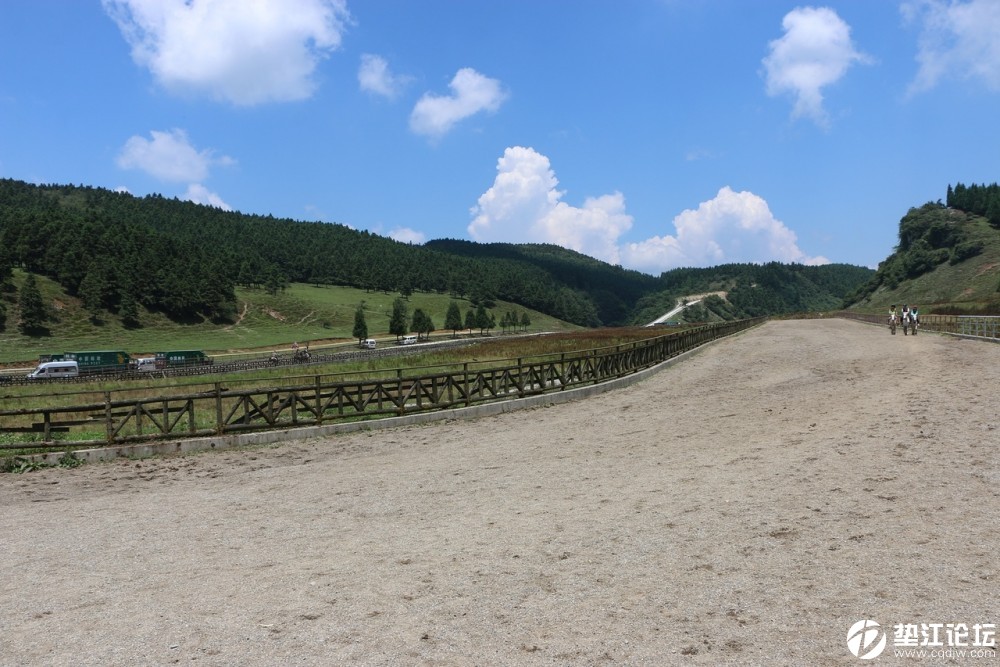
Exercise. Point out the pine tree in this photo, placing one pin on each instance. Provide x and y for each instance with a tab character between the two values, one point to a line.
422	323
92	293
470	320
482	318
33	312
360	326
397	323
525	320
453	319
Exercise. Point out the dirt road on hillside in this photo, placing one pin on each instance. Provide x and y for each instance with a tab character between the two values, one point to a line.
745	506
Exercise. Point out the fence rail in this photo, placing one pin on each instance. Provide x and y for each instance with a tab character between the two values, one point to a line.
979	326
318	400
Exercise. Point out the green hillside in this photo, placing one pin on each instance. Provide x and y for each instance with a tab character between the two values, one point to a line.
753	290
300	313
947	262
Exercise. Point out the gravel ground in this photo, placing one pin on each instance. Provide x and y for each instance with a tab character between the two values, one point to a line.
745	506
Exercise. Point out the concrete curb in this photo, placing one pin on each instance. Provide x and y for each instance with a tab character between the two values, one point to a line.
188	446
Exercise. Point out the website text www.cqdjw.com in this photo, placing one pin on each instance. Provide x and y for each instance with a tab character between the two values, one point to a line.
944	652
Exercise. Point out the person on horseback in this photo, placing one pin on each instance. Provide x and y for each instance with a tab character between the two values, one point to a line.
892	314
914	317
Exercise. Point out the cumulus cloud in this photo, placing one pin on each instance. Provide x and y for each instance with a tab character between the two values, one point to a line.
169	156
471	92
958	39
374	77
815	51
523	205
407	235
199	194
233	50
732	227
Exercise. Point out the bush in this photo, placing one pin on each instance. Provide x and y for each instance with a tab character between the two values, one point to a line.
964	251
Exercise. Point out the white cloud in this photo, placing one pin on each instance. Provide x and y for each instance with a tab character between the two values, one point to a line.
234	50
524	206
374	77
732	227
169	156
407	235
815	51
958	39
199	194
472	92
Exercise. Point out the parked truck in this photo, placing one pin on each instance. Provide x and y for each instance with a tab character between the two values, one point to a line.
182	359
93	362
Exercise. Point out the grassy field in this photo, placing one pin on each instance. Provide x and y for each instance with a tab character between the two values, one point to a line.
490	352
301	313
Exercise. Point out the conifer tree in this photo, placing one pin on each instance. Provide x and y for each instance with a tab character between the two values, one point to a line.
397	323
32	307
453	319
360	330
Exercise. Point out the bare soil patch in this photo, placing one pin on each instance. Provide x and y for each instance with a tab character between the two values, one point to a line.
745	506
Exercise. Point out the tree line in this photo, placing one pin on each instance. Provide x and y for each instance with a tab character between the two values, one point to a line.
118	253
981	200
114	250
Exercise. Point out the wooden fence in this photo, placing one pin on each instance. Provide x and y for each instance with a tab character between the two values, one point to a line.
117	418
976	326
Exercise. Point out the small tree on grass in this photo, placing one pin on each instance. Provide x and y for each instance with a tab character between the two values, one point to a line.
453	318
360	330
397	323
470	320
482	319
422	323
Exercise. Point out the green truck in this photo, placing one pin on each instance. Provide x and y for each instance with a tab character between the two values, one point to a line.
181	359
94	361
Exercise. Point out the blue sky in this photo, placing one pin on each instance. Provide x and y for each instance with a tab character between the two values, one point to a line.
648	133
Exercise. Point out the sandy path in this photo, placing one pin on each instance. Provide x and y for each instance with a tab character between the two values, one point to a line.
745	506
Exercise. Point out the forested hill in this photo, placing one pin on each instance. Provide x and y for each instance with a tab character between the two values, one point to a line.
946	258
755	289
116	251
613	289
119	253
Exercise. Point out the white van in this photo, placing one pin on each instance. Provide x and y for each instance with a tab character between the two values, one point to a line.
145	364
409	340
55	369
368	343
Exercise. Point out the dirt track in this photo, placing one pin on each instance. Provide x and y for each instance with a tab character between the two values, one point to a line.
747	505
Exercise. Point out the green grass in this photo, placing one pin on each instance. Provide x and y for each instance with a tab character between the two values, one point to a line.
490	353
300	313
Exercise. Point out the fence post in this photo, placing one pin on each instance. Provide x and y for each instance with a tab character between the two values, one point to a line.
465	380
520	379
107	417
218	409
319	400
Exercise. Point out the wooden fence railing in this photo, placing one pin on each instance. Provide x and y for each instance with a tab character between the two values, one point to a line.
979	326
317	400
